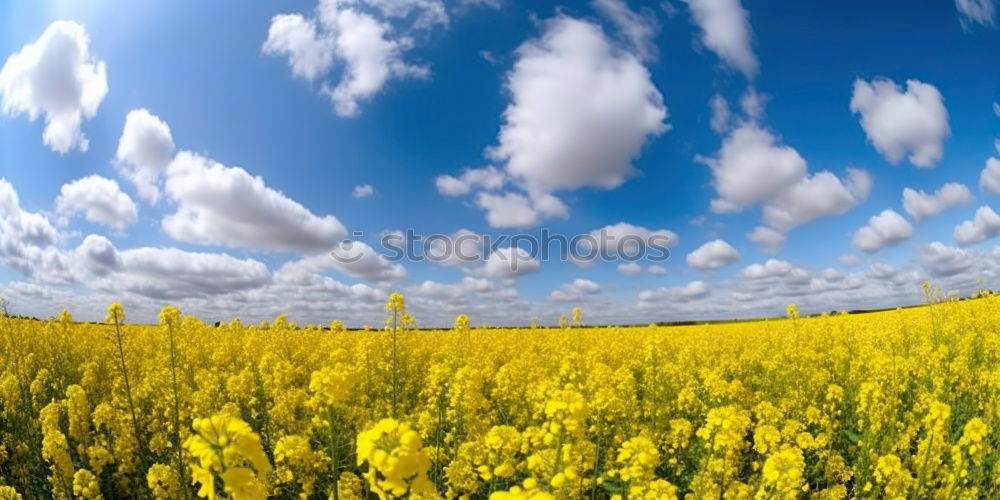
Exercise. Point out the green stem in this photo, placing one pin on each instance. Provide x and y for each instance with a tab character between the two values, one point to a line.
177	410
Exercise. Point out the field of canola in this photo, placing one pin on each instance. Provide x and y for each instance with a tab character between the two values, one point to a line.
898	404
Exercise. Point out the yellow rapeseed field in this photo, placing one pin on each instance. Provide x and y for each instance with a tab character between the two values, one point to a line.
897	404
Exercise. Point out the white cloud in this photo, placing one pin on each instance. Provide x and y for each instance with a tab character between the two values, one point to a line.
453	294
849	259
630	268
367	49
815	196
220	205
941	260
170	273
510	262
363	191
507	210
296	37
985	225
28	240
575	290
726	31
580	110
97	255
461	248
370	55
488	178
358	260
56	75
989	178
712	255
885	229
770	238
881	270
752	167
921	205
752	103
691	291
635	269
772	268
144	152
100	201
832	275
720	113
426	13
911	123
638	29
976	11
624	239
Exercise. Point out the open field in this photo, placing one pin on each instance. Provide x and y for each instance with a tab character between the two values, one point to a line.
893	404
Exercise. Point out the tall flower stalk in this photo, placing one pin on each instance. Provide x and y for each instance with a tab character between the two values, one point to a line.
170	318
396	306
116	315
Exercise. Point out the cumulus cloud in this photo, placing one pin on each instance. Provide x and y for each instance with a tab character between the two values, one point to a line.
217	204
637	28
221	205
461	248
575	290
725	30
921	205
97	255
56	75
508	210
359	260
28	240
630	268
510	262
885	229
772	268
580	110
625	239
455	293
973	12
983	226
656	270
752	167
819	195
769	238
487	178
989	178
691	291
171	273
363	191
100	200
367	50
941	260
145	149
712	255
911	123
297	37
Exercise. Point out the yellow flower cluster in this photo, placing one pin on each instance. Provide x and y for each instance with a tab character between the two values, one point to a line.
226	448
895	404
397	462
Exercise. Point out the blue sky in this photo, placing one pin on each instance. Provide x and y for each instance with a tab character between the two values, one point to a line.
591	114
